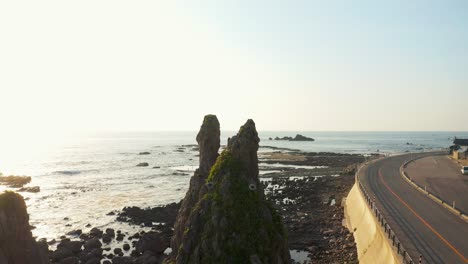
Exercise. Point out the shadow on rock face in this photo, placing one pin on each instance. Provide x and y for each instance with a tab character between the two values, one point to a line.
17	245
209	143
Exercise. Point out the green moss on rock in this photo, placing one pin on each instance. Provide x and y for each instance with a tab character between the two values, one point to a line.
236	222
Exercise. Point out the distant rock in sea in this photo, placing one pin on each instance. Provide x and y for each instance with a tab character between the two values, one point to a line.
298	137
144	153
143	164
231	221
17	245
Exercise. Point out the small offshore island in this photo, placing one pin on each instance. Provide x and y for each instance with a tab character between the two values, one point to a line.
298	137
230	214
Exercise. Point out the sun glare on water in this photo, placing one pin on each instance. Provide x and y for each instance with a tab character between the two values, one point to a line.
20	150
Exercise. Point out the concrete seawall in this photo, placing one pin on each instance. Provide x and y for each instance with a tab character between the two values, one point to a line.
372	245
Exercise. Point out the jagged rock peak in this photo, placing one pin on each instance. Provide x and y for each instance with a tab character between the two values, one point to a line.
244	147
17	245
209	142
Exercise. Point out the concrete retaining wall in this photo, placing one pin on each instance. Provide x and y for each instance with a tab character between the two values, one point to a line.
372	245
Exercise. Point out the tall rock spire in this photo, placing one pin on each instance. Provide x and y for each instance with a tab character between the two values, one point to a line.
232	222
208	142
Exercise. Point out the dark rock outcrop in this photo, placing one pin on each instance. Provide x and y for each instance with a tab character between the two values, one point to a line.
151	241
14	181
298	137
209	143
160	214
69	246
232	222
17	245
33	189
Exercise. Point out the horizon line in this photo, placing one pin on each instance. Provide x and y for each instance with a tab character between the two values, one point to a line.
287	131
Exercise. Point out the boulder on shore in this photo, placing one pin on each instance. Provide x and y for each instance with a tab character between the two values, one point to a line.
152	242
350	169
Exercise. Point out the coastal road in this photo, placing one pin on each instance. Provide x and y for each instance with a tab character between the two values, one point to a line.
423	226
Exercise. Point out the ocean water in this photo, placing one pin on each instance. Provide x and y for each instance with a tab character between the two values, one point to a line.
82	178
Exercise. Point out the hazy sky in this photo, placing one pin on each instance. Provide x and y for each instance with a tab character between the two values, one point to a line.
289	65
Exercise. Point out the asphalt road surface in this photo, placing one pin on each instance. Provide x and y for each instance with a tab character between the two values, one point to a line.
441	176
423	226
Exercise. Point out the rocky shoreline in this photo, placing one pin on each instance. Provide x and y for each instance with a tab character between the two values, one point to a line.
307	188
313	214
309	200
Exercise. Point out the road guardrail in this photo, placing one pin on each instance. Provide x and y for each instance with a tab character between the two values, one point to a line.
434	197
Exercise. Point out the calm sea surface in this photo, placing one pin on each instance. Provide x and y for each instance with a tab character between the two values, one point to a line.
83	178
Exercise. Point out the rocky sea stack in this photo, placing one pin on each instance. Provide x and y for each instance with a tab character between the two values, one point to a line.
17	245
229	220
209	143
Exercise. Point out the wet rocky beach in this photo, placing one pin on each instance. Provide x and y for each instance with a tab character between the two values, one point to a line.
313	214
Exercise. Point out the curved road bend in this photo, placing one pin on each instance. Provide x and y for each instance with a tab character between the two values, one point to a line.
422	225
